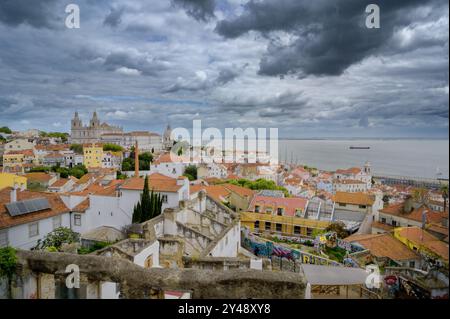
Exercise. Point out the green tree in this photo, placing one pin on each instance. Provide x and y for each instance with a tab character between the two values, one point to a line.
63	136
57	238
128	165
8	264
259	184
5	130
112	148
40	169
191	172
137	213
338	228
149	206
146	201
77	148
444	192
421	196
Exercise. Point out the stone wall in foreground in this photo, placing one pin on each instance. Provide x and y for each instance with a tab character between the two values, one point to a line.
137	282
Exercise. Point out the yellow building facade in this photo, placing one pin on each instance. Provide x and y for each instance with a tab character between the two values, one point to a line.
283	225
9	180
93	155
13	160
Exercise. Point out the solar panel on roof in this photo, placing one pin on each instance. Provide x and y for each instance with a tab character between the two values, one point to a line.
27	206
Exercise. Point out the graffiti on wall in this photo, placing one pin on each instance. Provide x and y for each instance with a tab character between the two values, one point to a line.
268	249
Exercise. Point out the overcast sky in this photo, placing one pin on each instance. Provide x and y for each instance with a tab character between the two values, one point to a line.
310	68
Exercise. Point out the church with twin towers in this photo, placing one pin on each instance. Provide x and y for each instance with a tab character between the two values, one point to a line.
92	133
98	132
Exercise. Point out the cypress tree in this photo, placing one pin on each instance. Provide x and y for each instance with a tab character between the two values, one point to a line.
137	213
146	202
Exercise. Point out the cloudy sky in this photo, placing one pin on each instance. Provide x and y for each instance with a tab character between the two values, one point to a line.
309	68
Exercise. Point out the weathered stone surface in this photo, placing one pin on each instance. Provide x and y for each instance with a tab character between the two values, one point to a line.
137	282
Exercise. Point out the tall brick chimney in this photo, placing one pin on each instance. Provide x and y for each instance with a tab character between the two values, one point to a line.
136	160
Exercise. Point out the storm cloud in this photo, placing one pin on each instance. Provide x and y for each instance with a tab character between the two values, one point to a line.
319	37
199	9
310	68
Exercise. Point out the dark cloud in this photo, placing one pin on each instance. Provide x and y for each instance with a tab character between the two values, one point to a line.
201	81
114	18
140	62
281	105
202	10
39	14
325	37
158	65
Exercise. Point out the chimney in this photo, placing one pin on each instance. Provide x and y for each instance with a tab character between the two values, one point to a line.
424	218
136	160
14	194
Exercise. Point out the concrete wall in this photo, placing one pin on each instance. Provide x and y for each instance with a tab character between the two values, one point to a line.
228	245
150	251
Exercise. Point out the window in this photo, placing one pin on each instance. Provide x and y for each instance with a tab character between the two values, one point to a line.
309	231
257	209
57	222
77	219
165	198
256	225
297	230
269	210
33	229
280	211
412	264
268	226
298	212
342	204
4	238
394	223
383	220
363	206
279	227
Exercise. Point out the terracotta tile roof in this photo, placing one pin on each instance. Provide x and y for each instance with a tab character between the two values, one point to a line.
56	147
350	171
385	227
90	145
54	155
6	220
60	183
384	245
158	182
83	206
23	152
99	190
240	190
290	204
353	198
416	214
40	177
348	181
437	229
421	237
293	181
220	192
86	178
167	158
